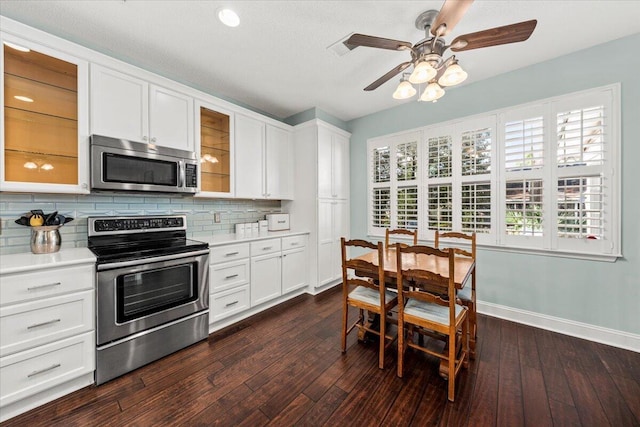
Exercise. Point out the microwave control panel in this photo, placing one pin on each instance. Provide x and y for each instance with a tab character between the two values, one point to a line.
191	175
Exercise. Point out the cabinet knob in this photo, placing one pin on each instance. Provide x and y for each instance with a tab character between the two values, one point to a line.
153	139
85	185
144	137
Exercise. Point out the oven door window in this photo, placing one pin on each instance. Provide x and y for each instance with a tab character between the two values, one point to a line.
139	170
152	291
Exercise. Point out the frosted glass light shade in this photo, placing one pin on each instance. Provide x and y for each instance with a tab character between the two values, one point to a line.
453	75
404	90
432	92
423	72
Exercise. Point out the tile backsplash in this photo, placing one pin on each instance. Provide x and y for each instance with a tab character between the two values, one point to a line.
15	238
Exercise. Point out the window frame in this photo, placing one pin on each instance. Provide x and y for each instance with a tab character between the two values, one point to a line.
608	248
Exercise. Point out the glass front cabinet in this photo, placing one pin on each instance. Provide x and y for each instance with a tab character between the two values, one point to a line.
215	150
45	139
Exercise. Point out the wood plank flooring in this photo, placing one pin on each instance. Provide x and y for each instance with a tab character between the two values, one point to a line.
284	368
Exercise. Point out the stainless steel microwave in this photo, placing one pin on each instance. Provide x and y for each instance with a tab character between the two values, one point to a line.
122	165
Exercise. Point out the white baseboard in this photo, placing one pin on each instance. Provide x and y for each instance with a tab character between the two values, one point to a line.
599	334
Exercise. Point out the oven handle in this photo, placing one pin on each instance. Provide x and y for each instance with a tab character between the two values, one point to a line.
151	260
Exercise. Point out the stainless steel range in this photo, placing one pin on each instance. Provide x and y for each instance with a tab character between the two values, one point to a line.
152	290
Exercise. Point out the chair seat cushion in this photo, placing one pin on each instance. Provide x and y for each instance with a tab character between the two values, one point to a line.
370	296
465	293
430	311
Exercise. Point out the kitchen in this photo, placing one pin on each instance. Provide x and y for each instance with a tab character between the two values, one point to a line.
342	186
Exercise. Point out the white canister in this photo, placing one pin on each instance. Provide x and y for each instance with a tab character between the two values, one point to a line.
240	229
263	226
254	228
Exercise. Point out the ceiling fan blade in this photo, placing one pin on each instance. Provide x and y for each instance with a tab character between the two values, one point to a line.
387	76
494	36
379	42
450	13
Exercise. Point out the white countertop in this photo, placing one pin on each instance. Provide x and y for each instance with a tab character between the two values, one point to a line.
25	262
225	239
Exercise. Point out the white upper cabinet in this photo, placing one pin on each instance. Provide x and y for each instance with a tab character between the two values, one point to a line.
333	164
263	160
44	133
123	106
279	161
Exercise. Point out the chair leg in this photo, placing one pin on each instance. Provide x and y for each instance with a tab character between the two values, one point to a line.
382	341
400	346
473	330
452	366
345	319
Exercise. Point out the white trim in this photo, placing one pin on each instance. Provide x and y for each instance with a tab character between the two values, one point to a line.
613	337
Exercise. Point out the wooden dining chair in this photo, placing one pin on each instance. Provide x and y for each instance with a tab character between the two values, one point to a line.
361	290
431	314
402	232
467	294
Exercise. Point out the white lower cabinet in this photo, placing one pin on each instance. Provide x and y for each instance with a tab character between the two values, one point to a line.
47	345
246	278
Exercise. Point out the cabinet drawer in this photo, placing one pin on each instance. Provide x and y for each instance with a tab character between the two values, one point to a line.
229	253
26	325
263	247
227	303
45	283
228	275
29	372
293	242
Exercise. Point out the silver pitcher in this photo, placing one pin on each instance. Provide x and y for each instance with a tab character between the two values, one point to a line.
45	239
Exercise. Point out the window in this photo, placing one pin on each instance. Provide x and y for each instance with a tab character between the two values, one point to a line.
394	188
533	177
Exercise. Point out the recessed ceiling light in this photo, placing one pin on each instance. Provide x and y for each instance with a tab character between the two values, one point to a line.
228	17
23	98
17	47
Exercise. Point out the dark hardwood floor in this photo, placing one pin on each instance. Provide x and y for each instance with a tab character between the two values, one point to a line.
285	368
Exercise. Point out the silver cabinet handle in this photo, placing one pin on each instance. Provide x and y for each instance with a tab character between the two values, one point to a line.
231	253
231	276
42	371
231	303
267	248
37	325
294	243
49	285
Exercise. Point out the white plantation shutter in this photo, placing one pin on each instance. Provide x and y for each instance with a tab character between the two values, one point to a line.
407	207
440	211
580	137
524	208
580	207
407	161
476	152
439	156
381	166
476	207
524	144
381	207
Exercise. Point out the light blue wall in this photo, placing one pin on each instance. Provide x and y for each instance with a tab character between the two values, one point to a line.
597	293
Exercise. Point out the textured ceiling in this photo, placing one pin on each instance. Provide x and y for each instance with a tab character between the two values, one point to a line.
277	60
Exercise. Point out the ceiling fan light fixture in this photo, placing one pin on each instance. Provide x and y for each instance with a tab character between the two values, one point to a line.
453	75
404	90
422	73
432	92
228	17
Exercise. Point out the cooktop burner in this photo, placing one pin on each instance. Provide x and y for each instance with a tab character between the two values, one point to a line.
115	239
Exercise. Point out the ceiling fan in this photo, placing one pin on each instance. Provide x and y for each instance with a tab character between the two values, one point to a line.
429	65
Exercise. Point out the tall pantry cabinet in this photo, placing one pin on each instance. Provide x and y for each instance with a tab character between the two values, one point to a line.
321	201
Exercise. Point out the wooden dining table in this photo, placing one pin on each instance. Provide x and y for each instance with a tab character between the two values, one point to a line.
464	267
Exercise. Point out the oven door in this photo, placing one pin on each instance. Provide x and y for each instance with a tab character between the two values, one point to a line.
134	296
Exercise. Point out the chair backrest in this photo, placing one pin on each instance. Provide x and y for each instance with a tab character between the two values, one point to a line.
471	238
423	282
400	231
363	270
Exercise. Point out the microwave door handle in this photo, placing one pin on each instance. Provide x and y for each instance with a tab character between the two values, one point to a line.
181	174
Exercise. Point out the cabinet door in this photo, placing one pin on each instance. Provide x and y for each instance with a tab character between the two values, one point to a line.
119	105
325	172
294	269
266	278
279	162
340	218
326	242
249	163
45	119
214	145
340	166
170	119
